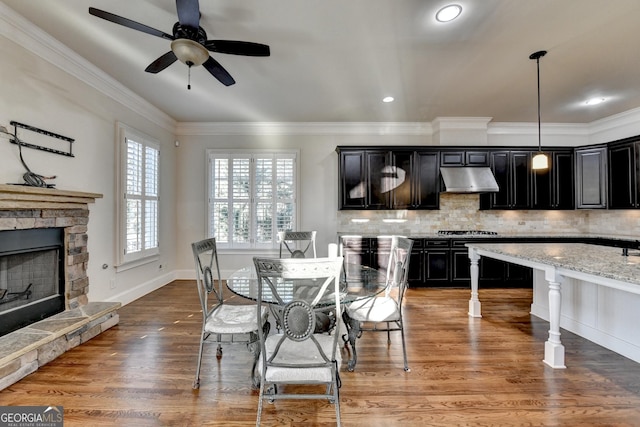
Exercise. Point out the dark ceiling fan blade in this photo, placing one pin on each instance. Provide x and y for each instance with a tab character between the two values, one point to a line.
235	47
218	72
129	23
161	63
188	13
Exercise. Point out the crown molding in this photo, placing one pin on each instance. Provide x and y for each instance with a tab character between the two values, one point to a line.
629	119
525	128
16	28
460	123
309	128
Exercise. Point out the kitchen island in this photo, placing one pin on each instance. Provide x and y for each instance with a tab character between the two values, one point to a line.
601	289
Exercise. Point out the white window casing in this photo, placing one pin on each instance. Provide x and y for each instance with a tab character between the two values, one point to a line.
137	197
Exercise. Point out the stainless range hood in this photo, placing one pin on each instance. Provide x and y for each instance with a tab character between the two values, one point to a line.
460	179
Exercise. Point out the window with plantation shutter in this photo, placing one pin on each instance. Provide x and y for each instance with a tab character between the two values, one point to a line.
137	196
252	196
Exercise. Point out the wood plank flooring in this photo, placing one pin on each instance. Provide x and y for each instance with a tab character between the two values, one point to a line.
464	372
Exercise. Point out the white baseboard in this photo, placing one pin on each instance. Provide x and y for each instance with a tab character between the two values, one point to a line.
143	289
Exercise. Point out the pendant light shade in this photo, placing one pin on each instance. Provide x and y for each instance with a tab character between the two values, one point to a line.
540	160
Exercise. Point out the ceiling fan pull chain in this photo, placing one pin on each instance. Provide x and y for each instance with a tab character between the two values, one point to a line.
189	79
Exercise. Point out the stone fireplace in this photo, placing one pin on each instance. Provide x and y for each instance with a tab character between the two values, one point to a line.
54	270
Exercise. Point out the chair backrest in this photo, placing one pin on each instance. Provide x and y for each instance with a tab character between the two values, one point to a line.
296	312
208	280
298	243
398	267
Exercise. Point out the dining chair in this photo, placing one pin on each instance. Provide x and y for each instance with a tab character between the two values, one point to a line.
228	323
293	241
382	313
296	354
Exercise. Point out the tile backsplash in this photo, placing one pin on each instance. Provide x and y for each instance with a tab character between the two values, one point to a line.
461	212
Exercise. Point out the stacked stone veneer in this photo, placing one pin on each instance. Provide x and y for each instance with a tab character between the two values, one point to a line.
24	351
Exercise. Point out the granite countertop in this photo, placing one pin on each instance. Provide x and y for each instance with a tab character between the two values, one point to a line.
435	235
601	261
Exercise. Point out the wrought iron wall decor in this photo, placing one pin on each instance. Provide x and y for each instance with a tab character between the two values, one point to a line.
15	139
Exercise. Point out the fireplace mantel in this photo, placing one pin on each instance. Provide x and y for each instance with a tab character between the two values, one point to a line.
17	197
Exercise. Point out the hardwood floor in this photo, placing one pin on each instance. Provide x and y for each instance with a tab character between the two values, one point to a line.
464	372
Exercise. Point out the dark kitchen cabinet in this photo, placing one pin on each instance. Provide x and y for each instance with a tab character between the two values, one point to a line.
437	254
364	174
591	177
370	251
464	158
388	179
415	276
512	170
460	264
352	180
426	184
378	177
356	250
402	172
623	174
553	188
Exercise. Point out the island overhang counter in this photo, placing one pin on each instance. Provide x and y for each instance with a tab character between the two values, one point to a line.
590	290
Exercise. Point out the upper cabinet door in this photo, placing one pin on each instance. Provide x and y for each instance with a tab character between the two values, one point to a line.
352	180
520	163
591	177
622	176
464	158
382	177
426	184
402	180
512	170
563	183
553	188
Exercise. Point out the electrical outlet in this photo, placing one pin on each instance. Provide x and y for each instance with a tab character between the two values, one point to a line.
112	283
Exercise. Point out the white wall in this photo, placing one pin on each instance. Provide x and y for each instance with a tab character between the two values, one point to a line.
318	167
37	93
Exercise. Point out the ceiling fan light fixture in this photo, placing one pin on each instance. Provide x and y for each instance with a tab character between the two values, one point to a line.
189	52
448	13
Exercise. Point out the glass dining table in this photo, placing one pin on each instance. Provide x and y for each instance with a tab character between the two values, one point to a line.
356	282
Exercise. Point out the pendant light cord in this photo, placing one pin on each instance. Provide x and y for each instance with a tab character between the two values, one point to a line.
539	137
537	56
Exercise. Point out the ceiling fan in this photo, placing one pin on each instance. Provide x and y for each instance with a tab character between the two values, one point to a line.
189	42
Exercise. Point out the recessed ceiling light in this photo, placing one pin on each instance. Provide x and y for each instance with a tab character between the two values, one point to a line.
449	13
387	99
595	101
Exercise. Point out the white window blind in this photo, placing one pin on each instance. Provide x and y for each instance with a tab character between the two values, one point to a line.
251	196
138	196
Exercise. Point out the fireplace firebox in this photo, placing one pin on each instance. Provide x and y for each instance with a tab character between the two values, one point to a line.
32	282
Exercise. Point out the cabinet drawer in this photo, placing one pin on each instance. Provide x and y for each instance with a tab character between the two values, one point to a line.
444	243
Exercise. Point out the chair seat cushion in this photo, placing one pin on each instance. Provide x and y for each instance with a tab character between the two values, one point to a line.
234	319
300	353
379	309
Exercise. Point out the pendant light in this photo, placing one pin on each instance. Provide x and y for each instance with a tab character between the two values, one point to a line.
540	160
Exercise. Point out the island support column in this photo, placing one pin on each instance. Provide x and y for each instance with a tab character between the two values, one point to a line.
553	348
474	302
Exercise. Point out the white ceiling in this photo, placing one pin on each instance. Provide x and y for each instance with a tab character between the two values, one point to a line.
334	60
